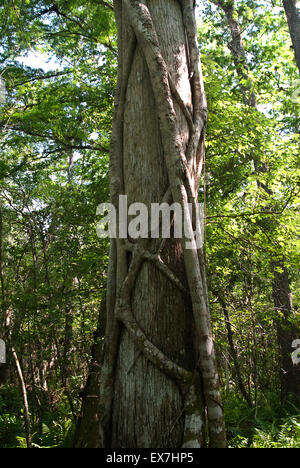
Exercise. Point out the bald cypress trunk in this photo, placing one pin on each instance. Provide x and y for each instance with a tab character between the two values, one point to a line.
292	12
159	372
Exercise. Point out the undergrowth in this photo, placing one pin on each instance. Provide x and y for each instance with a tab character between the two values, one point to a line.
269	425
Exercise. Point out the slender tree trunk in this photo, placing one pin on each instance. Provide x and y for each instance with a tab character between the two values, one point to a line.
2	283
69	312
25	401
292	12
66	360
68	346
3	327
290	382
234	355
35	382
159	371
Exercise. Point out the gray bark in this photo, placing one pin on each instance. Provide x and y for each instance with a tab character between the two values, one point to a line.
292	12
25	399
3	328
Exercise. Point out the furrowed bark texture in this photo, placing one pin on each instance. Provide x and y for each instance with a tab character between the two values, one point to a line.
292	11
159	372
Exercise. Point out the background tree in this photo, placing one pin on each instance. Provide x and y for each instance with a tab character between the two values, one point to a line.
293	17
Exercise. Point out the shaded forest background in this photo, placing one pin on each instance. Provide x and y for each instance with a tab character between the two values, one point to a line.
58	64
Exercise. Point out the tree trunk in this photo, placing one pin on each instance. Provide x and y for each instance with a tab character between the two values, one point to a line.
3	366
234	355
68	346
25	400
292	12
87	428
286	331
159	370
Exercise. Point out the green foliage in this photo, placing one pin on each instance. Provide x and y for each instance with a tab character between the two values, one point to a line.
10	417
54	143
248	150
56	430
270	425
56	433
